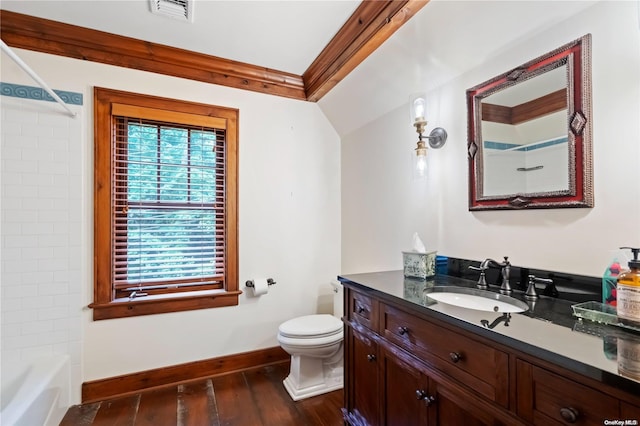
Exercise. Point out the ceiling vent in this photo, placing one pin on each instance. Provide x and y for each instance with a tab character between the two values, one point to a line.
181	10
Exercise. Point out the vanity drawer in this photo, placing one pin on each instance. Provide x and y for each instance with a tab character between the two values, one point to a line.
545	398
362	309
481	367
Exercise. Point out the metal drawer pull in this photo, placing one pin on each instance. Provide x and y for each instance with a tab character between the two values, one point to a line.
371	357
403	330
455	356
569	414
361	309
421	395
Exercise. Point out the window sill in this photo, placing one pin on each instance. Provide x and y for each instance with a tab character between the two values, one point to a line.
164	303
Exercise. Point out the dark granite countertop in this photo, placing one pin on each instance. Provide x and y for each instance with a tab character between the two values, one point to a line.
548	330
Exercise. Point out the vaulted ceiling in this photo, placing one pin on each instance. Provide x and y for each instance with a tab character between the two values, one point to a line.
359	60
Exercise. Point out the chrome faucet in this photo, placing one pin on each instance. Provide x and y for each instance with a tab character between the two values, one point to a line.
505	266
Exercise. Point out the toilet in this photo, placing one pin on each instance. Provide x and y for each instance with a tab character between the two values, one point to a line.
315	345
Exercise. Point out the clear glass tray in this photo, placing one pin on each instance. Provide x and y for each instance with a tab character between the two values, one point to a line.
600	313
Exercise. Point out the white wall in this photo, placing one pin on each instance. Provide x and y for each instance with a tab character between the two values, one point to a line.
554	175
289	221
380	209
40	231
500	172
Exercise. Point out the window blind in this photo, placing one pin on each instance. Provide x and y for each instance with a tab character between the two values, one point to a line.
168	198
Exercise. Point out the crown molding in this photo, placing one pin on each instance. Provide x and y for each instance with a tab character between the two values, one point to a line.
369	26
42	35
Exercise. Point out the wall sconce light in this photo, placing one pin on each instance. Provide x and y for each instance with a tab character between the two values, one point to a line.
437	137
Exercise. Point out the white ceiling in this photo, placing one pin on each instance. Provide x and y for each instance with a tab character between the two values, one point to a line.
442	41
528	90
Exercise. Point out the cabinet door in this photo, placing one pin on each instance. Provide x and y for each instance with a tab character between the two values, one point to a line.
455	407
405	392
362	370
411	396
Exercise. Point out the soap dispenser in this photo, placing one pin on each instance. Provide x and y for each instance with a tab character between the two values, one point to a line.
610	282
628	291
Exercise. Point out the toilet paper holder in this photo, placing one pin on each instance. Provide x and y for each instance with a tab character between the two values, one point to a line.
249	283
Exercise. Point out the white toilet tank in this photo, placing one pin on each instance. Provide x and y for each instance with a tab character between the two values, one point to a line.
338	299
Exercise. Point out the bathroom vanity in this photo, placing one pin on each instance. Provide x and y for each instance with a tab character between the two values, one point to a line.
412	360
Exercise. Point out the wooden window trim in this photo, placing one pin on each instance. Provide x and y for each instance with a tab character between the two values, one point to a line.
105	306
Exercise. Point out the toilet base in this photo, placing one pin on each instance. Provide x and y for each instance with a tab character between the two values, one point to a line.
310	377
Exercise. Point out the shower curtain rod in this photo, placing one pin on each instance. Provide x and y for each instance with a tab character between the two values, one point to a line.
6	49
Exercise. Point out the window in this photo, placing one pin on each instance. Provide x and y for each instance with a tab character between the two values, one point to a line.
165	210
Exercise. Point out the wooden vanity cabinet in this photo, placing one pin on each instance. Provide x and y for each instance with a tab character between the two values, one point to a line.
392	381
405	368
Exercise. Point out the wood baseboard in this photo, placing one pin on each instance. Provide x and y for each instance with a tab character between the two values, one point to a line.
98	390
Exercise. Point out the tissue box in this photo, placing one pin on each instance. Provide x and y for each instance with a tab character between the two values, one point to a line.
419	265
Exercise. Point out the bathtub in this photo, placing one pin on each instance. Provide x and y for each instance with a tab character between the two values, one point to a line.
37	394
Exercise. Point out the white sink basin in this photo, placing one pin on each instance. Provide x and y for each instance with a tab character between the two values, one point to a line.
479	300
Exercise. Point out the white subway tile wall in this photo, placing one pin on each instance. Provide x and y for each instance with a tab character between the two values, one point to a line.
41	209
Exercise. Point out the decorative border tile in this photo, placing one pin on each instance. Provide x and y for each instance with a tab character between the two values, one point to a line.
38	94
501	146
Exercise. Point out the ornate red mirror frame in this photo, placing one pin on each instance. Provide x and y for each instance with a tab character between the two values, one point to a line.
577	58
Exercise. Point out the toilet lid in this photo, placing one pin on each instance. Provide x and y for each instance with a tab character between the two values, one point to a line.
311	326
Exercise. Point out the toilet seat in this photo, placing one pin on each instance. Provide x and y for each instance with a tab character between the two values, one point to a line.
311	342
321	327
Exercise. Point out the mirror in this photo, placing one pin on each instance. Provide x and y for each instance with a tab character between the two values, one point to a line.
530	134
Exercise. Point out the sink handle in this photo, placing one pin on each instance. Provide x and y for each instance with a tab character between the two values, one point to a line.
531	293
482	280
478	268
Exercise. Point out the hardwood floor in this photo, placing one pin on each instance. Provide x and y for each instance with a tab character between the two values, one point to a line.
253	398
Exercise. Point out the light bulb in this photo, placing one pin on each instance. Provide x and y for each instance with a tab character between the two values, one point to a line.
418	109
421	165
